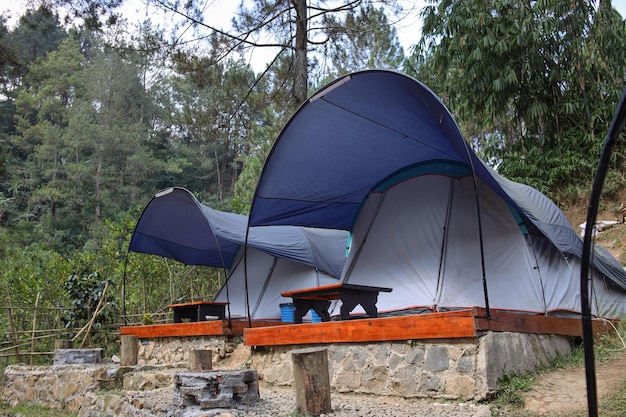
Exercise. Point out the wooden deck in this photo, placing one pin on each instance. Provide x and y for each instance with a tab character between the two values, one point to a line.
199	328
446	325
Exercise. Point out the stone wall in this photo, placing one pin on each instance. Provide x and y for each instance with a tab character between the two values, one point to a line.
465	369
175	350
62	386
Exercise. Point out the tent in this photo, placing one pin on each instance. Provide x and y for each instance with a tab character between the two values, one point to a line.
377	153
174	224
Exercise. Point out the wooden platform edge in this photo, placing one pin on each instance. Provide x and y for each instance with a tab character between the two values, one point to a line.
453	324
201	328
506	321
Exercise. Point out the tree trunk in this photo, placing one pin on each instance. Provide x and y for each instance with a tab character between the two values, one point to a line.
200	360
312	381
300	84
129	350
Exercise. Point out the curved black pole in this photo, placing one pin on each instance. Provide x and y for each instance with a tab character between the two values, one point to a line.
617	125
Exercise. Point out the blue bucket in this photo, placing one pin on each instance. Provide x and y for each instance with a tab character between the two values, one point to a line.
315	318
286	312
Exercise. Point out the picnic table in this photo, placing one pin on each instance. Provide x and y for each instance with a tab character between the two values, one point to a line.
319	298
198	310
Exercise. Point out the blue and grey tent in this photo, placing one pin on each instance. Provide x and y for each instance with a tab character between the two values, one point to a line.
174	224
377	153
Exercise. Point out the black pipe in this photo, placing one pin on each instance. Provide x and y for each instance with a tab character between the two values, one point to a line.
617	125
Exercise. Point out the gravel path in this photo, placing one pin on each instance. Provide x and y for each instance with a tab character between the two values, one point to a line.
281	402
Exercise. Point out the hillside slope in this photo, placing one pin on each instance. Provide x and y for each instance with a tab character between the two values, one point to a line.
612	239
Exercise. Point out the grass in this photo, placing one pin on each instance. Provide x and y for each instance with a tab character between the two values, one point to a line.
30	410
511	387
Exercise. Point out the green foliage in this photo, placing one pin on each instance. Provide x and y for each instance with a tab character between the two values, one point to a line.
363	40
534	86
511	387
32	410
84	293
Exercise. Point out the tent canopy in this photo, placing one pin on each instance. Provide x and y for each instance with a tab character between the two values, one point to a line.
174	224
365	128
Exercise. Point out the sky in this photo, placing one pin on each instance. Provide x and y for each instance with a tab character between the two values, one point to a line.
220	13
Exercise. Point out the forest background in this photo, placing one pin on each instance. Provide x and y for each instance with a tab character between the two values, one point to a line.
98	113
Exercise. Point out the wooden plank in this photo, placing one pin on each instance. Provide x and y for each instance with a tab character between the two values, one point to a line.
331	291
198	328
202	328
508	321
428	326
197	303
330	288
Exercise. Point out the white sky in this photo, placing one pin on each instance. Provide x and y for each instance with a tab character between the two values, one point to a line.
220	13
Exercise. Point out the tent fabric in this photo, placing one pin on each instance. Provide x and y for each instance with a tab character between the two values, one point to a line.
373	131
174	224
267	277
428	251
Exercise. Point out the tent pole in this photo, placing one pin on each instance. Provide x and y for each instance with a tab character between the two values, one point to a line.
266	282
442	255
617	125
245	274
230	321
480	232
219	249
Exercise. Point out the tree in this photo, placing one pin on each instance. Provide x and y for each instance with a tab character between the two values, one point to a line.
38	32
524	79
297	26
42	116
364	40
213	110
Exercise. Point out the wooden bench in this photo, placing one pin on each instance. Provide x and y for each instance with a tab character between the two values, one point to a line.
319	298
198	310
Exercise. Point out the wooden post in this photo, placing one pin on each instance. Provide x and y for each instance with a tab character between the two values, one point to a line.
312	382
12	326
200	360
129	350
63	344
32	335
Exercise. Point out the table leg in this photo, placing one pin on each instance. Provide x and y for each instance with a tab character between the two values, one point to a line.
177	318
301	308
350	299
368	302
321	308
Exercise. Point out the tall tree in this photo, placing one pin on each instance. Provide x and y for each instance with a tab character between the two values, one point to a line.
297	26
532	83
42	115
37	33
363	40
213	109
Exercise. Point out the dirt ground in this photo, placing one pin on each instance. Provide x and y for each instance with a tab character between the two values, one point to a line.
565	391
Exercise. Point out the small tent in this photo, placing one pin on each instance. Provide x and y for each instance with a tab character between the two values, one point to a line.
377	153
174	224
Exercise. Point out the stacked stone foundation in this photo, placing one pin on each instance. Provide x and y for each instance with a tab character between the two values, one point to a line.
466	369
